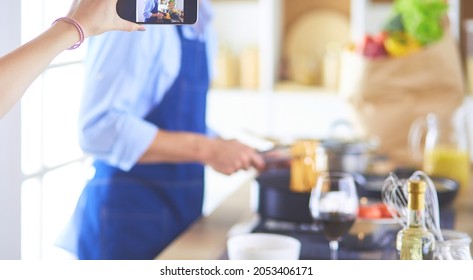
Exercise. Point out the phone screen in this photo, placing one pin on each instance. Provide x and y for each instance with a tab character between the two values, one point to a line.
158	11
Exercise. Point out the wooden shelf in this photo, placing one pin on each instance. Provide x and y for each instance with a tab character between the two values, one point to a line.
289	86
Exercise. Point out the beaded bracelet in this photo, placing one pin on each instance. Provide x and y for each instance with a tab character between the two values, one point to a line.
78	27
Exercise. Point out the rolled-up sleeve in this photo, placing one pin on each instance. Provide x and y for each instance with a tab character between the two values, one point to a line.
122	75
149	6
118	138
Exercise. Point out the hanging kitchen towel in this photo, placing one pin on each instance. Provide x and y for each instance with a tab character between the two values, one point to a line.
387	94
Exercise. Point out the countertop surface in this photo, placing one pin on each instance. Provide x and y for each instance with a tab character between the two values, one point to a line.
206	238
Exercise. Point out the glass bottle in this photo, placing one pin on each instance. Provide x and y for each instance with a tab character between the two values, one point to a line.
415	241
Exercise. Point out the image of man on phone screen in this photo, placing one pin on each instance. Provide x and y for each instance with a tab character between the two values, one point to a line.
162	11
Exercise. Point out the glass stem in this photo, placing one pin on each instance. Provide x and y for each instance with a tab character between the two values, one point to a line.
333	249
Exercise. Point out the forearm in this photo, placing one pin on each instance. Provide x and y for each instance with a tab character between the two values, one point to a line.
225	156
177	147
21	67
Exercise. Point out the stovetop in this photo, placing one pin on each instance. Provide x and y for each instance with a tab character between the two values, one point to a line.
378	246
315	245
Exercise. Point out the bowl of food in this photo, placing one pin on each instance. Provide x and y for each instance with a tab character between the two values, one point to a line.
374	228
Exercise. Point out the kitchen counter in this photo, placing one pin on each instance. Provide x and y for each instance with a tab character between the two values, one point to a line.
206	238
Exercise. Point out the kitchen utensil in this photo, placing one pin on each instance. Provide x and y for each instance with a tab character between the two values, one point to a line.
276	201
279	156
350	155
346	151
307	40
371	233
394	195
444	152
447	189
456	246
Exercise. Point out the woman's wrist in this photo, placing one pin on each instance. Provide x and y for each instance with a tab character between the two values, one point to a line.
63	34
78	28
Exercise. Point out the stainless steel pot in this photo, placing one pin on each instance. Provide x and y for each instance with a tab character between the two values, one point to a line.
348	155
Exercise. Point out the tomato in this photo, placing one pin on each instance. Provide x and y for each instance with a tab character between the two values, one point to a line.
381	37
369	211
384	211
373	46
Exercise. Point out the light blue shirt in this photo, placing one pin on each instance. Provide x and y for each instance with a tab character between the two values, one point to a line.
149	6
127	75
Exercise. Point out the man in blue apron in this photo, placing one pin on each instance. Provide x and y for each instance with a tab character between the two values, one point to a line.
151	12
143	120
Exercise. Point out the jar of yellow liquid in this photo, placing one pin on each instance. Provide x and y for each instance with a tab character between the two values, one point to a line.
448	162
445	146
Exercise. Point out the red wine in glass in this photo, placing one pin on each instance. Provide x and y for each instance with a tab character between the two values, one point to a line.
334	225
334	206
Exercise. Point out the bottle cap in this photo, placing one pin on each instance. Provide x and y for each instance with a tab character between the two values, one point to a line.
416	190
416	186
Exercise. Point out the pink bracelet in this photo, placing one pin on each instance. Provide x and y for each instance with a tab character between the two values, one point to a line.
78	27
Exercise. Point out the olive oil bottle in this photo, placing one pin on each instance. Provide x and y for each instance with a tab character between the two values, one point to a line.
415	241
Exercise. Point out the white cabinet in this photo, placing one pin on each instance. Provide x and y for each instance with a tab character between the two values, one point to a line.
260	23
284	113
248	24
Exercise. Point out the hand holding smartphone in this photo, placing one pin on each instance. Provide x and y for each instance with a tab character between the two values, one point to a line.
158	11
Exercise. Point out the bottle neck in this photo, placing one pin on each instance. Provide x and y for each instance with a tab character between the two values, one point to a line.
416	213
416	218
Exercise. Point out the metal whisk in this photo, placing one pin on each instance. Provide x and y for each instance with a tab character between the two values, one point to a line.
394	195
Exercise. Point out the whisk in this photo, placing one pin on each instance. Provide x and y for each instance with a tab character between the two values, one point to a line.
394	195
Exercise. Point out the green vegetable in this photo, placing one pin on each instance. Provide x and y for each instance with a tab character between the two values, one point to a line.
394	23
422	19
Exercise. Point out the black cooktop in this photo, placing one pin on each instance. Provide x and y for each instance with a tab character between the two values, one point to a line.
315	247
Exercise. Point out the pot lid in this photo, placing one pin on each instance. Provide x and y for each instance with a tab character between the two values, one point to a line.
348	146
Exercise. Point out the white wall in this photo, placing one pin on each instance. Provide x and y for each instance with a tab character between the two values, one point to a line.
180	5
10	176
231	29
140	7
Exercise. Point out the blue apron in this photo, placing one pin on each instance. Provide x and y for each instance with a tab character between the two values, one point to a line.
153	11
136	214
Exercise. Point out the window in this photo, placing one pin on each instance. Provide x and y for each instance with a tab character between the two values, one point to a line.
52	163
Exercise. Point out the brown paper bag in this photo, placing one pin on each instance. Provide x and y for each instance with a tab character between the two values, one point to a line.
386	95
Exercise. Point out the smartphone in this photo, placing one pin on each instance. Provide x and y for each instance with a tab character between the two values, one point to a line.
158	11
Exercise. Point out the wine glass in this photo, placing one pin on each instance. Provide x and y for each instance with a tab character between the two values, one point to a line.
334	206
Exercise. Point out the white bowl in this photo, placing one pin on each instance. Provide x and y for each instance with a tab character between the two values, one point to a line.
263	246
